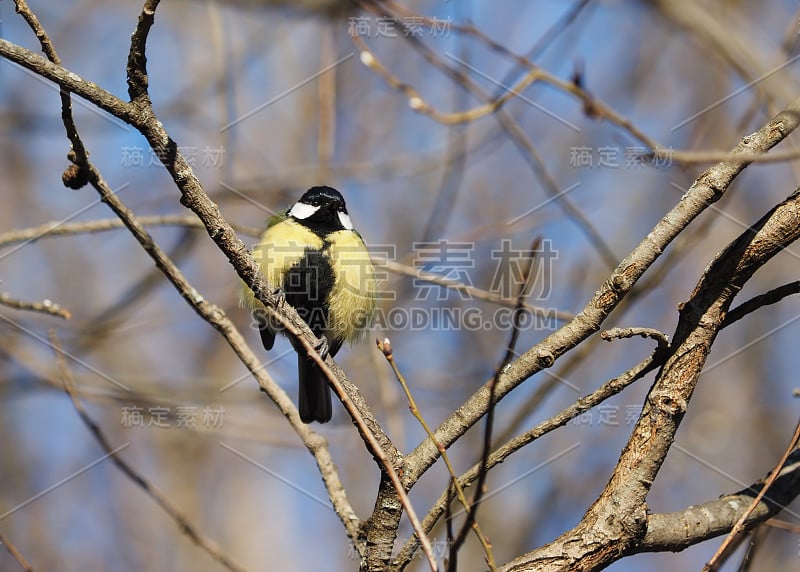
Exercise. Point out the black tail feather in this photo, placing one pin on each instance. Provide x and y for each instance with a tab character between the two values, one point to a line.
267	333
314	394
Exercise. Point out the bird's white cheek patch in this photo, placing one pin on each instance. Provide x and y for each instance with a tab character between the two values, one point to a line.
344	218
302	211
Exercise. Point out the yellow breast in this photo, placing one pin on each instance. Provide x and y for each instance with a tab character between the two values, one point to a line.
278	249
353	297
352	301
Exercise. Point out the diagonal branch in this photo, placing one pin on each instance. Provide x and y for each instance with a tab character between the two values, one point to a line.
772	297
620	512
708	188
195	198
698	523
160	498
15	553
735	535
607	390
509	354
211	313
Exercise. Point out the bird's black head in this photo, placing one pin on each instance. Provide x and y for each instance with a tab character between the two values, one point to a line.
322	209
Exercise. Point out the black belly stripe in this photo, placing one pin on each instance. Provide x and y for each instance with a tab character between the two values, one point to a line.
307	285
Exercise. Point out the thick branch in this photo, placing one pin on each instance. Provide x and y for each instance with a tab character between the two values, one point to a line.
707	189
607	390
138	116
71	81
678	530
617	521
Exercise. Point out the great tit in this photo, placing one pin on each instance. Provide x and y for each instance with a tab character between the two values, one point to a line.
321	265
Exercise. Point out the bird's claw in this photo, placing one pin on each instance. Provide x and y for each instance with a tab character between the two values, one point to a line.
280	297
323	347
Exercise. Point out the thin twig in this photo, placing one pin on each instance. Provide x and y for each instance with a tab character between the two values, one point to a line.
472	291
510	353
195	198
139	115
161	499
773	296
43	307
448	518
386	349
607	390
420	105
59	228
652	333
15	553
738	528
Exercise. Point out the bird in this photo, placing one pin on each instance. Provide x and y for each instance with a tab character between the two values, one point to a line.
321	267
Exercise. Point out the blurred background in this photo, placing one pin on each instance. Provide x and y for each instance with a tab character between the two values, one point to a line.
265	101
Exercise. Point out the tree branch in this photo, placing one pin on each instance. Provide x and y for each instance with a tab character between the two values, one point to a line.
620	512
681	529
44	307
772	297
160	498
15	553
708	188
735	535
209	312
605	391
